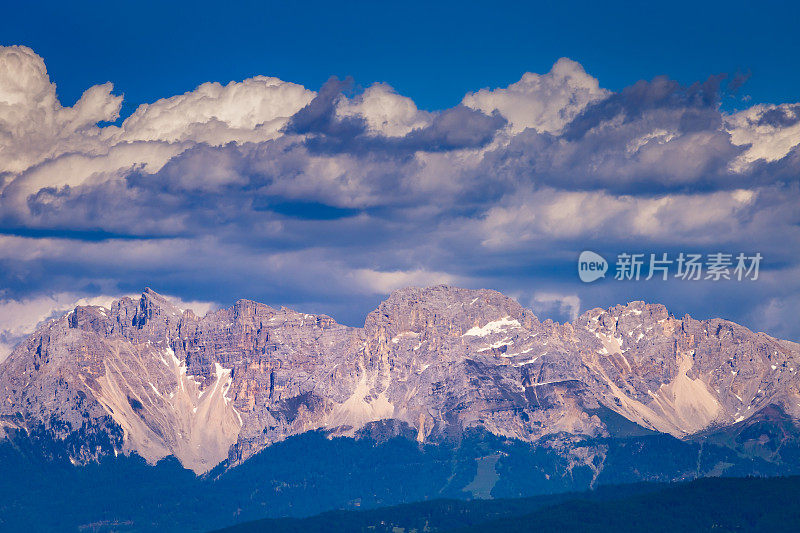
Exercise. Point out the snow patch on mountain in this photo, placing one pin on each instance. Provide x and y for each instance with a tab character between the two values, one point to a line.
492	327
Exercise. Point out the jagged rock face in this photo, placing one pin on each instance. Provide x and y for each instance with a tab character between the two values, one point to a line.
440	359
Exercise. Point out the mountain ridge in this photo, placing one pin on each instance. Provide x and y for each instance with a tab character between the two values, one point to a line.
156	380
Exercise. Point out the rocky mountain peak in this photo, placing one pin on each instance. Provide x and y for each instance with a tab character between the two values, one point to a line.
153	306
443	308
637	310
91	318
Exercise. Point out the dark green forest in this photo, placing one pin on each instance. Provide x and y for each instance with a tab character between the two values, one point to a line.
710	504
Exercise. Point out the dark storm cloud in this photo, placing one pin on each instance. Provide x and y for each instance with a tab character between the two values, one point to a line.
653	137
621	159
452	129
780	117
691	108
319	116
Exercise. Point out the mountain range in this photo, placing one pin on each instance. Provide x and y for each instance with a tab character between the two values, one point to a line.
469	379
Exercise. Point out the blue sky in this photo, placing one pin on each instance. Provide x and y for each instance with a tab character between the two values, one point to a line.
433	52
321	157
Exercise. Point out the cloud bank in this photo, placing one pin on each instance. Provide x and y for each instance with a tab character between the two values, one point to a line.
326	200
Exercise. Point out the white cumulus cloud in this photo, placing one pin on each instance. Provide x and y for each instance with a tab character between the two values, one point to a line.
544	102
385	111
252	110
34	125
764	139
553	303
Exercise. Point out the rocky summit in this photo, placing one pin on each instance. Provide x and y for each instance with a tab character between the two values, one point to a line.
145	377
